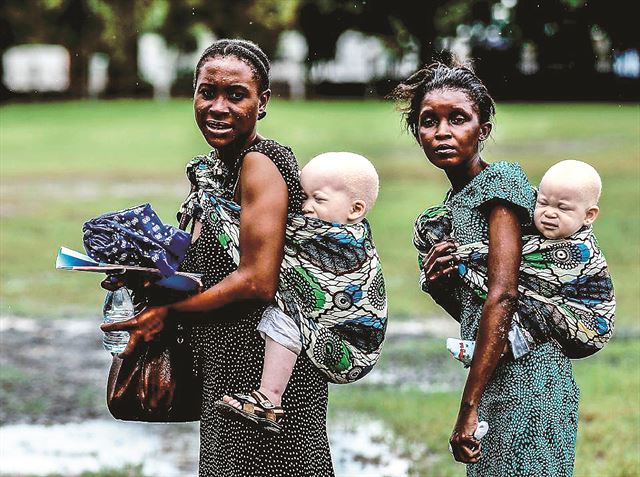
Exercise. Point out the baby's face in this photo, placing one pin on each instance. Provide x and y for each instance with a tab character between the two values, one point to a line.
561	209
326	196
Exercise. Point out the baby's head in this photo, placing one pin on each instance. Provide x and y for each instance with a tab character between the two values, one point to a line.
339	187
567	199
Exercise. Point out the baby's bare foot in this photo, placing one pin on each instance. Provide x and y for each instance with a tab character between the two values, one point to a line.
232	402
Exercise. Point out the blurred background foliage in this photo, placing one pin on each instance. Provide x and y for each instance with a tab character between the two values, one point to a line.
563	34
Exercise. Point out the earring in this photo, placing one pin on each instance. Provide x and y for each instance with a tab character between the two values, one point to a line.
261	114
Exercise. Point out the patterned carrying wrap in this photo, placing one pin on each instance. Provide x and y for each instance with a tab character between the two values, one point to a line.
206	173
331	280
565	290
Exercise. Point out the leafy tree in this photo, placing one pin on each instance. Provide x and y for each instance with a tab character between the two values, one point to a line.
401	24
261	21
15	22
125	21
70	23
561	33
322	23
76	25
615	18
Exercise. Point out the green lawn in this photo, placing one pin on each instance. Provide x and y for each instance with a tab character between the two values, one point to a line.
609	418
63	163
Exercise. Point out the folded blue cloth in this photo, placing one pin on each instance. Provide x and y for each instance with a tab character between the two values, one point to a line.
136	236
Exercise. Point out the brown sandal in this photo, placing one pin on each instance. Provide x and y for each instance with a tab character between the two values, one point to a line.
269	415
257	409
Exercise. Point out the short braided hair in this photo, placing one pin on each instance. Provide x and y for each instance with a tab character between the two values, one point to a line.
244	50
441	76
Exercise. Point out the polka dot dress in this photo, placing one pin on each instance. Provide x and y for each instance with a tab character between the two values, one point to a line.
229	352
531	404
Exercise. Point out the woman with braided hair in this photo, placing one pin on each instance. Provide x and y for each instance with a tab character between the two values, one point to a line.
530	403
231	93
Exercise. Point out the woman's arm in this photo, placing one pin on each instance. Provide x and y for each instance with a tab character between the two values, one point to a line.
505	250
262	227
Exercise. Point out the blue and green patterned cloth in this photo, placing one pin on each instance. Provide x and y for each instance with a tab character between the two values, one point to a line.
565	289
135	236
331	280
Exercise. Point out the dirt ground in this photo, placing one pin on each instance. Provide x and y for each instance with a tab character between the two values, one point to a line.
52	371
56	371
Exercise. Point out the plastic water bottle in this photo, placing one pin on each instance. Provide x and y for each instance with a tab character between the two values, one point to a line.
481	430
118	306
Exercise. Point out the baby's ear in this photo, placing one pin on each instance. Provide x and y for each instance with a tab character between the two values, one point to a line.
358	209
592	215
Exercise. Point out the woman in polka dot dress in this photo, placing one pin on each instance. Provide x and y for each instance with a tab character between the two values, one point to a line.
231	94
531	404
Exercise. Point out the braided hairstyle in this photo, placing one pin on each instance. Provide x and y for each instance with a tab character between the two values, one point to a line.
440	76
244	50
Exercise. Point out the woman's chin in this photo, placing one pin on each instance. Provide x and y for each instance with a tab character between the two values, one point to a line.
219	142
445	162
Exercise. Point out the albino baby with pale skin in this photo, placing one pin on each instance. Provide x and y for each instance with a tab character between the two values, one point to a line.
567	199
339	187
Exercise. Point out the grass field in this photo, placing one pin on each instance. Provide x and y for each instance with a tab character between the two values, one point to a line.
608	436
63	163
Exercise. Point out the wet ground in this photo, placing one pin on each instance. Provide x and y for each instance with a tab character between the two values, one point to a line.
53	417
51	372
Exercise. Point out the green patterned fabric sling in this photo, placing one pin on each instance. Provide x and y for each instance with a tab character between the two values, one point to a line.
331	280
566	292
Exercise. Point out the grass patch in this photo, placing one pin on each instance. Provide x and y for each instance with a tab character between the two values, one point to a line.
89	157
15	398
609	424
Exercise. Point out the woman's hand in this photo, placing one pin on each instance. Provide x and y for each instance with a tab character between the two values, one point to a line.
144	327
464	446
440	261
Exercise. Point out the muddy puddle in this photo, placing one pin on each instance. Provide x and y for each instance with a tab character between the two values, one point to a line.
53	419
165	450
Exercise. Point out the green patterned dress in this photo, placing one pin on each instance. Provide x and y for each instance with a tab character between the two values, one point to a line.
531	404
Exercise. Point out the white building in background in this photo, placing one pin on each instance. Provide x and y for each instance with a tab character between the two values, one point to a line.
627	64
359	58
288	66
30	68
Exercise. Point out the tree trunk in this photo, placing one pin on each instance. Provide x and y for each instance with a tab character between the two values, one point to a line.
123	70
427	51
123	62
5	93
75	30
78	72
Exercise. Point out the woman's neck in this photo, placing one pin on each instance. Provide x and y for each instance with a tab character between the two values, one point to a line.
461	175
229	155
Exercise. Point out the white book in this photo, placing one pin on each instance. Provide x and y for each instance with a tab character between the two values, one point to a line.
68	259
